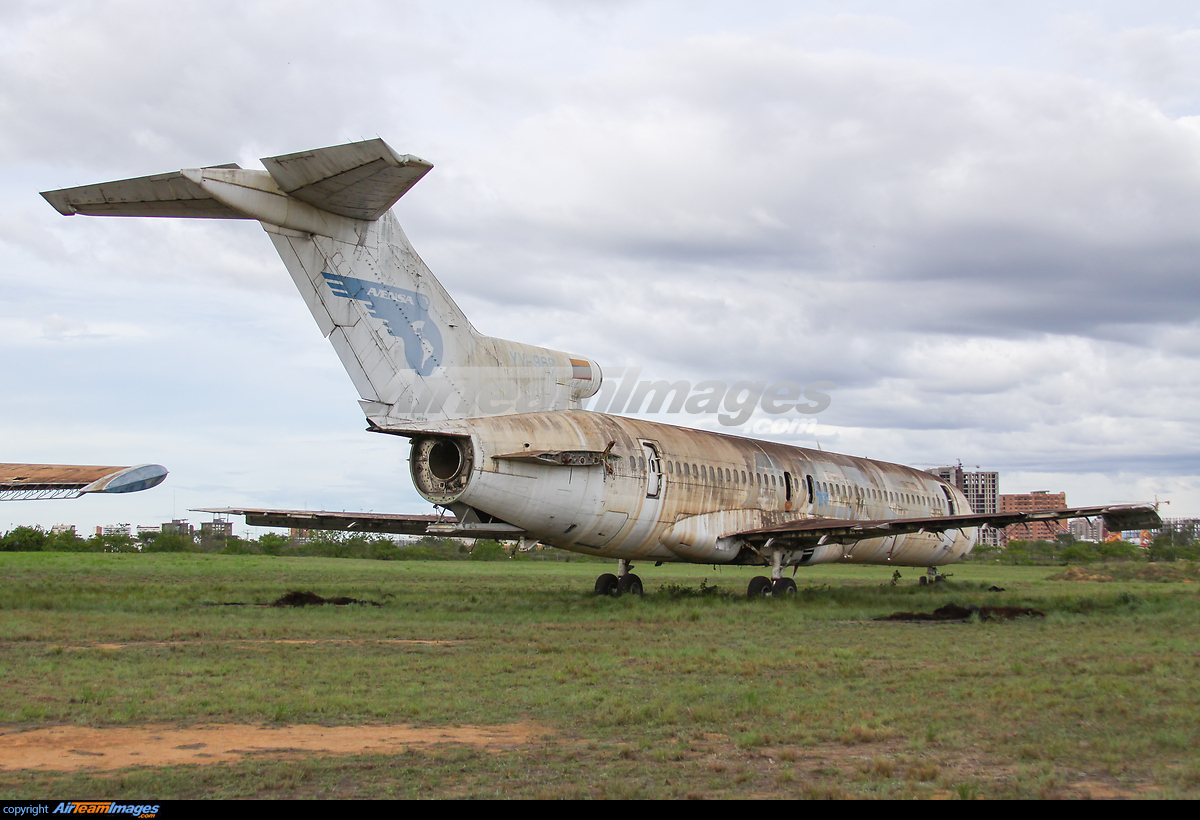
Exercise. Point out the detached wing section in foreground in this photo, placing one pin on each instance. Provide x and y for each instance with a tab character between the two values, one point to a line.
821	531
29	482
446	525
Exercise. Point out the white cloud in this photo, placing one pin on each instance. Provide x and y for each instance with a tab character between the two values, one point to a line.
993	255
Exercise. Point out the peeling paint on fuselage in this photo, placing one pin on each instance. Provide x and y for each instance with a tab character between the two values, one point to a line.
711	486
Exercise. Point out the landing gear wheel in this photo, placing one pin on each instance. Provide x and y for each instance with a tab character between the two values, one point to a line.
606	584
783	586
760	586
629	583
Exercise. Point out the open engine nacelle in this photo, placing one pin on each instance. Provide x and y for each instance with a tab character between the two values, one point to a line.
441	467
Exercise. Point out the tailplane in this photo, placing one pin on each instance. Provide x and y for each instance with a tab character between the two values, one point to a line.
408	348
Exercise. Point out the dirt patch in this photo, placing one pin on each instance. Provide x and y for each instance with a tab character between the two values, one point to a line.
254	643
313	599
301	598
70	748
957	614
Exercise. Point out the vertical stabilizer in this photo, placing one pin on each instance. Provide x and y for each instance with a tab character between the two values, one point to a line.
410	352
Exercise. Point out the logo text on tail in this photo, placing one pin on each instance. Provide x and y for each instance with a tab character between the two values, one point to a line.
405	314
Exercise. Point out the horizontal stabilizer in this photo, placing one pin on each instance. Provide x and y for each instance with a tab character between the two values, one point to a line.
171	195
361	180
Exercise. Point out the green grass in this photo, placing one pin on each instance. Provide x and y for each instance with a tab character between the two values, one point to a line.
692	690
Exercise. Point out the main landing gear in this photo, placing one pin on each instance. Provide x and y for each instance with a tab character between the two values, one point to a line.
761	586
624	581
932	576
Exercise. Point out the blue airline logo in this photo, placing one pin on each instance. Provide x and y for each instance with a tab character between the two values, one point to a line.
405	314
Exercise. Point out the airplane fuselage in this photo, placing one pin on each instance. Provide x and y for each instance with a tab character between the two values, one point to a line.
667	493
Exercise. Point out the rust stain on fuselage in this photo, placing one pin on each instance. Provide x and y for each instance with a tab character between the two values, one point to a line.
709	485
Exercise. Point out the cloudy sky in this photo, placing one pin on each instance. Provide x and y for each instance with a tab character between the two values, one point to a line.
980	221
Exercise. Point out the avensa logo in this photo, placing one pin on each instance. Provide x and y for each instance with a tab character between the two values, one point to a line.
405	314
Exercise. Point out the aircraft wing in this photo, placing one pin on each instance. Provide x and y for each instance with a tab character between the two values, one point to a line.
446	525
28	482
817	531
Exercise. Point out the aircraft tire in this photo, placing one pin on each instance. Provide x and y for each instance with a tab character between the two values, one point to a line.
631	584
606	584
784	586
760	586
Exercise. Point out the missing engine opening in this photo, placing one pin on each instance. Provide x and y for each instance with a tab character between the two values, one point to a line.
441	467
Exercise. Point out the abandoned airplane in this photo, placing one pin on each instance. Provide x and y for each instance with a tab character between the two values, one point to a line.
499	440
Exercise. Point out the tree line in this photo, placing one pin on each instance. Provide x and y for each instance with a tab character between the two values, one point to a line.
325	545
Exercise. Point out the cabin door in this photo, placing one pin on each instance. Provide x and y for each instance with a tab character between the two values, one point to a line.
646	514
654	482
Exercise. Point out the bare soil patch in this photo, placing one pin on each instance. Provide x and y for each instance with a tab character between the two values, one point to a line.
70	748
257	642
299	598
958	614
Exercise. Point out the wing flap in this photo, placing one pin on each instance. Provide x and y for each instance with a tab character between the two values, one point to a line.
361	180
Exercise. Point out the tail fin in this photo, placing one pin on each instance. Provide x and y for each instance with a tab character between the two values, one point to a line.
408	348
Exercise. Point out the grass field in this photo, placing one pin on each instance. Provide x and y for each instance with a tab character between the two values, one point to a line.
690	691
